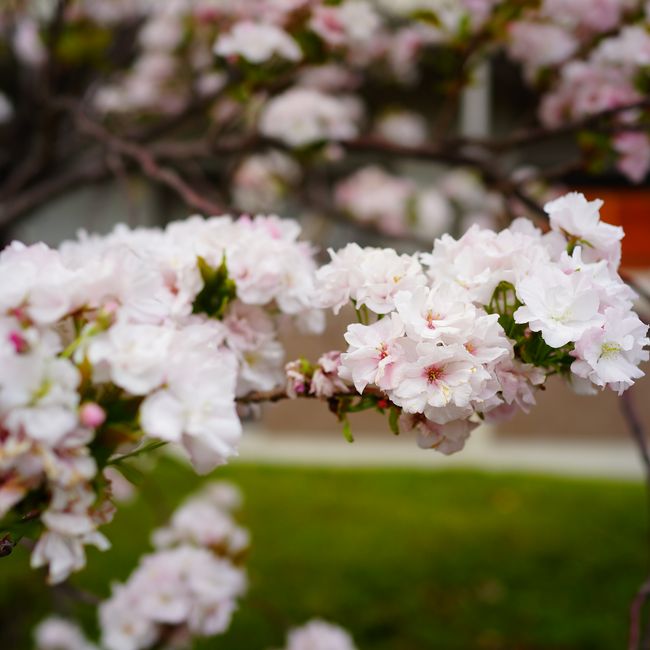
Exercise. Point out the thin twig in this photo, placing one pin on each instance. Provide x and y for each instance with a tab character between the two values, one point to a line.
636	428
68	590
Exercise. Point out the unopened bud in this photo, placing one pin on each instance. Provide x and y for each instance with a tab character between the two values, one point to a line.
18	341
92	415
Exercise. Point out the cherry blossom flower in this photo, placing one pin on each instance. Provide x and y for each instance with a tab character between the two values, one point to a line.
446	438
610	355
55	633
562	307
352	22
403	127
197	407
580	220
325	381
439	312
373	353
257	43
438	376
303	116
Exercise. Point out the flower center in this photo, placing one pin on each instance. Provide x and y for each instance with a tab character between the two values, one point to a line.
383	350
563	317
430	318
433	373
609	350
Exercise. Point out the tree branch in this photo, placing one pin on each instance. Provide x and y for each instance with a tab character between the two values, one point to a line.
144	159
531	136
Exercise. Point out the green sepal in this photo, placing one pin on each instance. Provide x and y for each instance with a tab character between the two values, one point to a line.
218	291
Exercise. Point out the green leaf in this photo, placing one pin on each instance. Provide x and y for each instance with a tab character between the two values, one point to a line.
131	473
426	16
347	430
366	402
393	420
219	290
145	449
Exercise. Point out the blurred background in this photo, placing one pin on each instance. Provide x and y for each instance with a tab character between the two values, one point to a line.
535	536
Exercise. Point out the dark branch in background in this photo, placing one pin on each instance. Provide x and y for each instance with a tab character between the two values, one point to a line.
143	158
596	121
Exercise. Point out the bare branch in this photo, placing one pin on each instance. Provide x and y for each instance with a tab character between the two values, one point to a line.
531	136
144	159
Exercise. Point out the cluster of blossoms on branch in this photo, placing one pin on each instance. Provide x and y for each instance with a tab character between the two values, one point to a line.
303	75
397	205
188	587
469	331
113	345
143	334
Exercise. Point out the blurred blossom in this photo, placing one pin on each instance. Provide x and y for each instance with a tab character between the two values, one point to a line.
403	128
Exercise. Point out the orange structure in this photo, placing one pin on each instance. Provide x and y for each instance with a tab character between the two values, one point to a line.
630	208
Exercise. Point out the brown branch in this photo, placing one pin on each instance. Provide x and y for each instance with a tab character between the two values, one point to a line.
272	396
144	159
636	615
636	428
72	592
530	136
280	394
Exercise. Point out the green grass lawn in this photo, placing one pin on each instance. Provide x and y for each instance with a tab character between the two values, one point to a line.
405	559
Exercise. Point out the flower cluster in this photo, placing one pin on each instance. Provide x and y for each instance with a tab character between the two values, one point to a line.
610	73
320	380
467	332
188	587
109	341
397	205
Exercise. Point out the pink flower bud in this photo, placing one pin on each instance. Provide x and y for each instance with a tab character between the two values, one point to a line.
18	341
91	415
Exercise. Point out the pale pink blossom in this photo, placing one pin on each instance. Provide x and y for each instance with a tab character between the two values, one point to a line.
325	381
435	376
634	155
373	354
303	116
196	407
446	438
403	127
55	633
438	313
562	307
538	44
257	43
580	220
610	355
352	22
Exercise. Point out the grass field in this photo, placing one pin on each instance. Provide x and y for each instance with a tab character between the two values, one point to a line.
405	559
